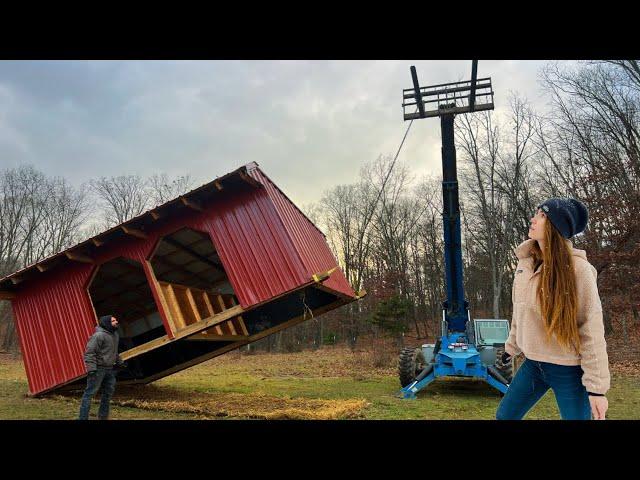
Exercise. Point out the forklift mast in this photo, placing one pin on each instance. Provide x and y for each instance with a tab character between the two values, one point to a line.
457	352
445	101
455	307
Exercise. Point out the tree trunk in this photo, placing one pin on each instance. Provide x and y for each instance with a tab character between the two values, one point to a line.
606	318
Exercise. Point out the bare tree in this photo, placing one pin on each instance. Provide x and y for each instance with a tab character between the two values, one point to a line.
122	197
492	185
162	188
38	217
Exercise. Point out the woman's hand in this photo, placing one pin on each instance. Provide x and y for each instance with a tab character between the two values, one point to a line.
599	406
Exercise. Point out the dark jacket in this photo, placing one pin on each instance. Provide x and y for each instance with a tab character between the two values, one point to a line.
102	350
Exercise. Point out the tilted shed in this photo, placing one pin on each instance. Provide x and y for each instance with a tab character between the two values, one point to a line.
221	266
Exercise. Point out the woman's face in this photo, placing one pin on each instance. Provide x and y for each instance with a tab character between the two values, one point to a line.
536	230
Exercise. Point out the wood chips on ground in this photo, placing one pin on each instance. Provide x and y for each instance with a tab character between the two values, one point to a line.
238	405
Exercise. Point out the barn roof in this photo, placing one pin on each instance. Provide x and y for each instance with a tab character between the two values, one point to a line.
222	185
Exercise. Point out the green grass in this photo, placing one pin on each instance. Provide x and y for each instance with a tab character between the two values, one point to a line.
331	383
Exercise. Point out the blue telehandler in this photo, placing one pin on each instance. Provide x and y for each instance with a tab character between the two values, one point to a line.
466	347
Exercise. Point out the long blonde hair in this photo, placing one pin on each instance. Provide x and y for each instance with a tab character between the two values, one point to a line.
556	293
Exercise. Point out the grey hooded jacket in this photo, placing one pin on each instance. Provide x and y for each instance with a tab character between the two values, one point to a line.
102	350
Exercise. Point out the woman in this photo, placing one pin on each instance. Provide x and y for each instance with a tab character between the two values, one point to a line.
557	320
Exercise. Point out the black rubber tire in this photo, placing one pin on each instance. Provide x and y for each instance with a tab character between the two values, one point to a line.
506	370
410	363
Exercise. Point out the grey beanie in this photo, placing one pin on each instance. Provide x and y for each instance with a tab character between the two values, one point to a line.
568	215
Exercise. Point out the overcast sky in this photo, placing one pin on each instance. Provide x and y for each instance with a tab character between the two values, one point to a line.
309	124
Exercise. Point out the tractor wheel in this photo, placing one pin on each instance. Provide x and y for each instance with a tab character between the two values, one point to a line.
505	369
410	364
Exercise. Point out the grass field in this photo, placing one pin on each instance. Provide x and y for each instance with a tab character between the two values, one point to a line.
332	383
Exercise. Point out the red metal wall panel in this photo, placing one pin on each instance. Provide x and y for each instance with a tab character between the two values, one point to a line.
310	243
265	245
54	319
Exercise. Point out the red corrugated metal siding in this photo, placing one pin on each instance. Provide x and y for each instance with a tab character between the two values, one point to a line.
54	319
255	249
309	241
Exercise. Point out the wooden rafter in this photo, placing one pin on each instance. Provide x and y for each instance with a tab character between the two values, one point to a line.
134	232
179	268
218	338
159	297
192	204
174	307
193	253
249	179
78	257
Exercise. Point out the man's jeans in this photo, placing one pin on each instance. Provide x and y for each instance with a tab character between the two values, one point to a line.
531	382
105	378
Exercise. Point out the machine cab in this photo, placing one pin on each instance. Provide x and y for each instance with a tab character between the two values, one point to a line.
488	332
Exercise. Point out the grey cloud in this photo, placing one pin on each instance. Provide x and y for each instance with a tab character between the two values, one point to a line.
309	124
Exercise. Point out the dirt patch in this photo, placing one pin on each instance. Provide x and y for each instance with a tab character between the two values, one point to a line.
629	368
237	405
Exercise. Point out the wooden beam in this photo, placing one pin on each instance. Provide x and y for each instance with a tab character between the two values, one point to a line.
178	318
179	268
193	253
218	338
155	215
97	243
231	327
7	295
43	267
185	332
221	302
207	303
234	345
16	280
134	232
191	204
192	304
322	276
361	293
250	180
324	288
218	185
78	257
240	322
159	297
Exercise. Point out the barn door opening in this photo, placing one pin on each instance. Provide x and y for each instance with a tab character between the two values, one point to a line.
120	288
194	285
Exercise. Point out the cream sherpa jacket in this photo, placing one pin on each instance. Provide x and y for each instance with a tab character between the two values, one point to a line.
528	336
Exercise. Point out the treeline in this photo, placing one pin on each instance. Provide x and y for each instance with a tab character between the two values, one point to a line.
389	240
586	146
41	215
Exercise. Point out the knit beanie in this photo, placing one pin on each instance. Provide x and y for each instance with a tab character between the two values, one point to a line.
568	215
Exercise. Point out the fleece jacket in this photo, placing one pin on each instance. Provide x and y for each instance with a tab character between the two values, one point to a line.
528	334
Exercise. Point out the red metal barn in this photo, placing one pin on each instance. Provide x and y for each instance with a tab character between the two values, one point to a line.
219	267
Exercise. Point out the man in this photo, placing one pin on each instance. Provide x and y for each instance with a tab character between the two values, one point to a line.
100	357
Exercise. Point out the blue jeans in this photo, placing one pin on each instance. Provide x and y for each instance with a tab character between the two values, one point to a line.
105	378
531	382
